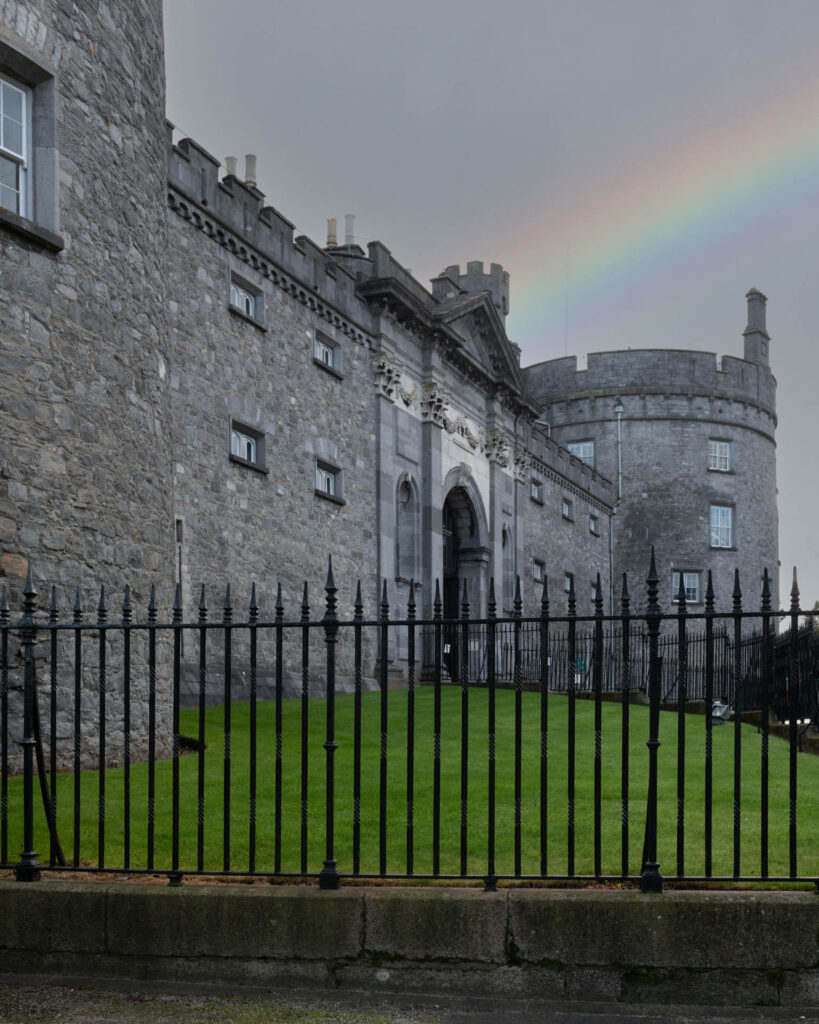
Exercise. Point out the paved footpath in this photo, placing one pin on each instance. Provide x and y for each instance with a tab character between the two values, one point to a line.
39	1002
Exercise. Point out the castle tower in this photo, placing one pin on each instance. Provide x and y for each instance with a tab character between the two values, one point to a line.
85	484
84	464
451	282
688	440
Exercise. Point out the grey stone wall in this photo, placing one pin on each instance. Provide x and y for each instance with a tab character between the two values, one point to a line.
240	523
84	415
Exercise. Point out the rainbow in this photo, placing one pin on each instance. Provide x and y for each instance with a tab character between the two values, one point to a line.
628	235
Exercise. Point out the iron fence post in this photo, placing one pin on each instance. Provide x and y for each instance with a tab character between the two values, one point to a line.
793	714
28	867
329	877
651	880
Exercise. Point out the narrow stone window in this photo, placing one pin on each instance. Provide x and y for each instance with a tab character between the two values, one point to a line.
536	490
406	531
538	570
568	509
594	524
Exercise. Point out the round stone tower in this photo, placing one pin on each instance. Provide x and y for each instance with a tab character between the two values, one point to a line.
85	483
688	440
85	491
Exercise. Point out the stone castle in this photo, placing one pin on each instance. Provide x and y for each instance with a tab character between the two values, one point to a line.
190	393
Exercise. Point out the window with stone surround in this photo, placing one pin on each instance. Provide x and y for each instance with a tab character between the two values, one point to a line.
538	570
247	446
536	490
594	524
568	581
584	450
719	455
722	526
329	481
246	299
567	508
327	353
691	582
15	152
28	149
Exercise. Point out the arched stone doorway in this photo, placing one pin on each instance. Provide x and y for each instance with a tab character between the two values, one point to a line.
466	559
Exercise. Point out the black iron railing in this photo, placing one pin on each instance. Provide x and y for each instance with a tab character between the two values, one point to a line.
476	755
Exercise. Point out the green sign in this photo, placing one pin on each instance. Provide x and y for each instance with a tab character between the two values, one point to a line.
580	664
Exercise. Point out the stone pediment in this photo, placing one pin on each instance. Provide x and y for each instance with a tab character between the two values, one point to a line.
473	322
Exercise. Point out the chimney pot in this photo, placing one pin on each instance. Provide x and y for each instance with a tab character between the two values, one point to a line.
332	232
250	170
230	165
349	233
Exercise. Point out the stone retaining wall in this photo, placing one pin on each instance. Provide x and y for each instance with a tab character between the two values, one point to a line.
688	947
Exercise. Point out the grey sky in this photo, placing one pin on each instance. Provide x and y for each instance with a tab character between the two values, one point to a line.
560	139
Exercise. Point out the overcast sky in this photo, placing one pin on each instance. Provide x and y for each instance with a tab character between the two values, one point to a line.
636	165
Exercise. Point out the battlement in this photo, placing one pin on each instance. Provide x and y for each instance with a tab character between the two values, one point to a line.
451	282
647	371
235	207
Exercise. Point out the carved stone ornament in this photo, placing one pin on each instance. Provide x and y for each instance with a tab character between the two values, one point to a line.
389	377
522	463
496	448
391	385
459	425
435	404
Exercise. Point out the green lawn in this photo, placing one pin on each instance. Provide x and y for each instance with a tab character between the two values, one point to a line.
808	794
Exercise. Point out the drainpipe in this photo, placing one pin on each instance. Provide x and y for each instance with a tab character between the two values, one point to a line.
618	412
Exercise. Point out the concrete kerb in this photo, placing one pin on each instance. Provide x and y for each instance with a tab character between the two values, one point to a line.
735	948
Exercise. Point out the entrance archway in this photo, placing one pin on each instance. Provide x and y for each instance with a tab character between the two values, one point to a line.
466	560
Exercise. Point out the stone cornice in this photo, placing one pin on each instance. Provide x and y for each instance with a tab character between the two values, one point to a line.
214	228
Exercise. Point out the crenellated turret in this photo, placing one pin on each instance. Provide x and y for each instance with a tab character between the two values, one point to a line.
451	282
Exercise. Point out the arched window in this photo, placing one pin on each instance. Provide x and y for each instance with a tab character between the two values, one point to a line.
406	530
508	552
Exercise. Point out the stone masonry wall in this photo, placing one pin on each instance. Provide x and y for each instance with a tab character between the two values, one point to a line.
84	472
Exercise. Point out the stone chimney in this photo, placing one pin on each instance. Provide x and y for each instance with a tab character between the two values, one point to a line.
756	334
230	166
332	232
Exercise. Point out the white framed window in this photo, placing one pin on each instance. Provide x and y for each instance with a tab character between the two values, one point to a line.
568	580
327	353
246	299
583	450
691	582
329	481
15	133
722	523
568	508
719	456
536	490
538	570
246	445
594	524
